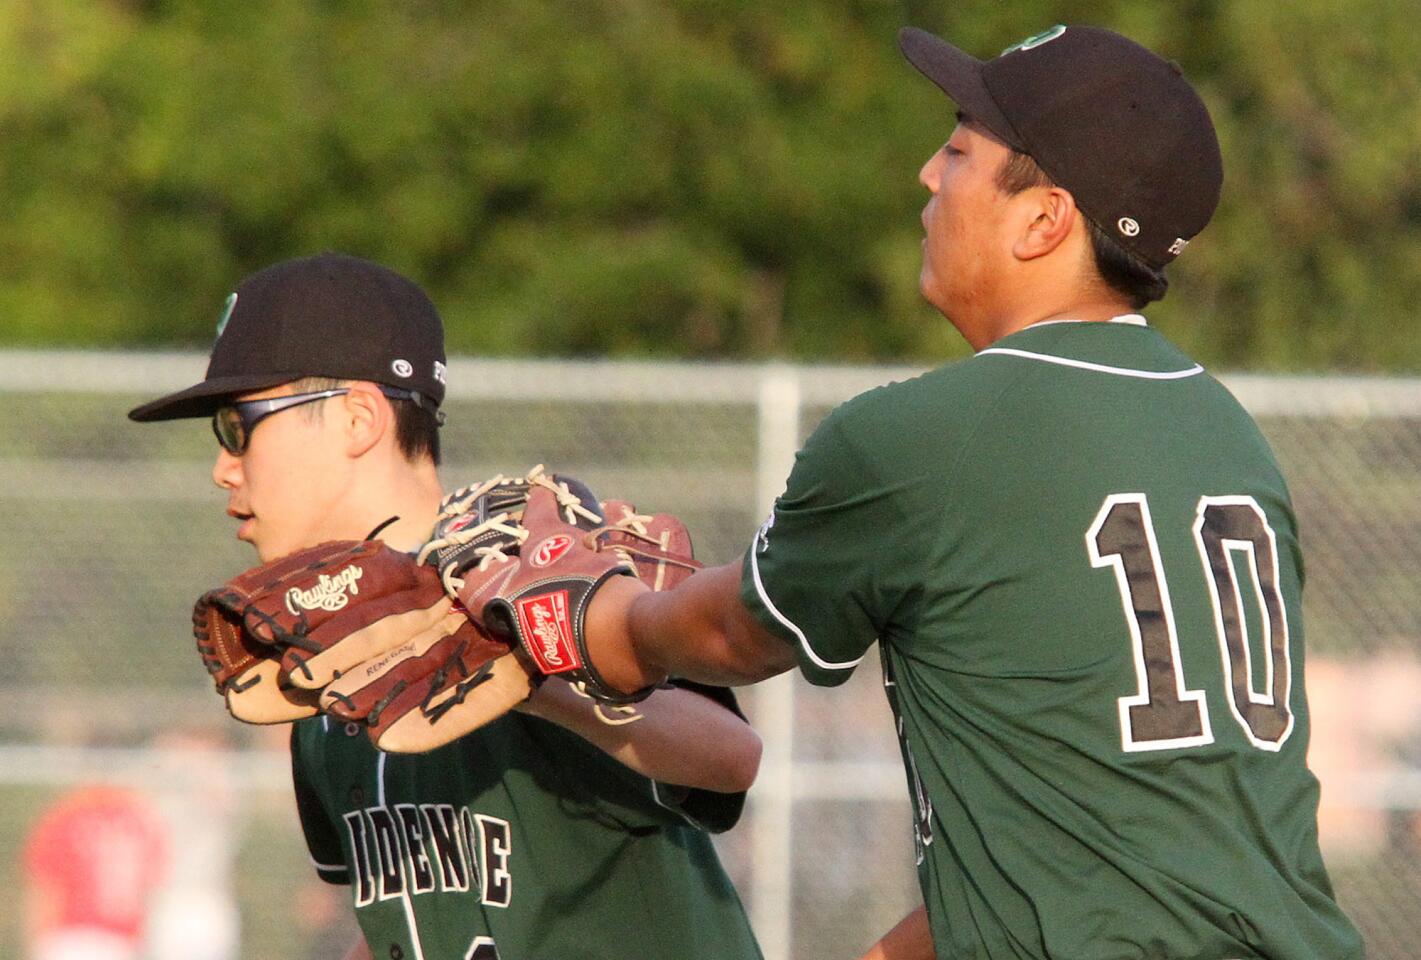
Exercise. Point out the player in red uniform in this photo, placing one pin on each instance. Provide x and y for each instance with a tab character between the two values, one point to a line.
91	864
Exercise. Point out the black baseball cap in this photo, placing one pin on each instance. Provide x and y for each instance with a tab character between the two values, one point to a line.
1108	120
329	315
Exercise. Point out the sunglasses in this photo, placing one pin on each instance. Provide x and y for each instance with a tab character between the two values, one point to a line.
233	424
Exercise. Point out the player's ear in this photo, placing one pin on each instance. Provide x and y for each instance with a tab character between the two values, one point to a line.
1048	216
366	416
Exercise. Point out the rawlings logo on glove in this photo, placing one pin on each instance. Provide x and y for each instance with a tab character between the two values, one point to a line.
327	594
548	552
276	634
545	619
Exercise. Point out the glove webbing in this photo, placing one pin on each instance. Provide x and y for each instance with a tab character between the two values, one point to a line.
505	522
634	525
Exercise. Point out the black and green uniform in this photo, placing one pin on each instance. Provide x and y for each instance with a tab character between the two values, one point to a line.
520	841
1081	562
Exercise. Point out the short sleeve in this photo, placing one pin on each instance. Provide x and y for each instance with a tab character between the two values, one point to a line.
826	571
322	838
704	809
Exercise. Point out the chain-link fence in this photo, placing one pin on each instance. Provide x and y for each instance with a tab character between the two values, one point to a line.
111	530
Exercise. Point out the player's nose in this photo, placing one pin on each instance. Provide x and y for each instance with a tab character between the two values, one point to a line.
227	471
929	175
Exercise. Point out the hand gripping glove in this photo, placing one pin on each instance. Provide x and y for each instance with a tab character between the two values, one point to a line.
276	634
533	585
539	597
659	547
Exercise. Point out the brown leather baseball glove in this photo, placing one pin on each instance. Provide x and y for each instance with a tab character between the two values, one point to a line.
273	636
403	695
657	544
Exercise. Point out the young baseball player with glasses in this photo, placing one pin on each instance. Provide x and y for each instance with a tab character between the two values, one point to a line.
547	834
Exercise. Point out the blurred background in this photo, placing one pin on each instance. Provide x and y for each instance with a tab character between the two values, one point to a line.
666	237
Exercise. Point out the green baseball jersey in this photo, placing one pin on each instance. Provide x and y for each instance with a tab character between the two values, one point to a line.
520	841
1081	562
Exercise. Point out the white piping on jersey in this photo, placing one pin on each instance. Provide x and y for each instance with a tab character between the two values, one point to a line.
803	642
380	779
410	922
1132	319
1094	367
656	795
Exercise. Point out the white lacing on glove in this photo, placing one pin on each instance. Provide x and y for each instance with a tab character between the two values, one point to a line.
633	521
462	499
569	502
506	522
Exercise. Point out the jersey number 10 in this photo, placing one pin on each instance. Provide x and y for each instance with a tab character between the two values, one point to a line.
1163	713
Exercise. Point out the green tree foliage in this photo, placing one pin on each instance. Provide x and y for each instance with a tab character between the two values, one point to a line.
660	177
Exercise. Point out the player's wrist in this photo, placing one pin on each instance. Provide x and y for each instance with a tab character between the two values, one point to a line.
611	639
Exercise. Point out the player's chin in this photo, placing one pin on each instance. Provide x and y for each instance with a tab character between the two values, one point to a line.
929	287
267	548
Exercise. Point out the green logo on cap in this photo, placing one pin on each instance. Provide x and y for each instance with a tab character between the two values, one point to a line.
227	309
1045	36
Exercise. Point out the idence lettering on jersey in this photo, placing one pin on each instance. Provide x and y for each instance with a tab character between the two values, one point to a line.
414	850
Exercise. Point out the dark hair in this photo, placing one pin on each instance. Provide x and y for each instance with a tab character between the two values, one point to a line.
416	428
1121	270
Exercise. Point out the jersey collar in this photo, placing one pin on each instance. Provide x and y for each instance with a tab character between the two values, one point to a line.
1133	319
1090	346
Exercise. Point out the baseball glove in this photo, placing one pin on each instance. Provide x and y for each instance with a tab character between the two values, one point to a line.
369	634
534	593
275	635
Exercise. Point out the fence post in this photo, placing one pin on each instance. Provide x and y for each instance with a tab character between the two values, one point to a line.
773	795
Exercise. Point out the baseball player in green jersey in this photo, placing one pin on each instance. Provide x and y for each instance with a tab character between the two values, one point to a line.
522	840
1075	550
550	833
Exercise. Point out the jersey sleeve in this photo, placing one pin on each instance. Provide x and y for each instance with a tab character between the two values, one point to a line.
828	568
704	809
322	838
609	789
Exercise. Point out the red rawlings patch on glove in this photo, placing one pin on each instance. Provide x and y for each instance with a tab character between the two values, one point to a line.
547	623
